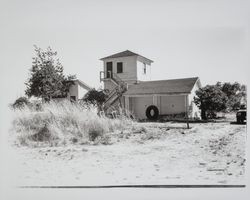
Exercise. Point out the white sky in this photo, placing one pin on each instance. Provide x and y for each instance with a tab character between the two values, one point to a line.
185	38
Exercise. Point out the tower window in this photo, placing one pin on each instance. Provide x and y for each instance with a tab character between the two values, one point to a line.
119	67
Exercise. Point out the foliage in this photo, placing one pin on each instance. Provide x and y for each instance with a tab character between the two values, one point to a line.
47	79
220	97
210	99
236	94
95	97
243	94
20	103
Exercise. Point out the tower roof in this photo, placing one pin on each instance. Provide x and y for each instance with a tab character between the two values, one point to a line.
126	53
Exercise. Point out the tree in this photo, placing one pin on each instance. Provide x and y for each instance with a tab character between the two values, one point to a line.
47	79
243	94
236	94
20	103
210	99
95	97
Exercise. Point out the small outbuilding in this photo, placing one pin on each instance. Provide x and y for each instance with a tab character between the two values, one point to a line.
76	91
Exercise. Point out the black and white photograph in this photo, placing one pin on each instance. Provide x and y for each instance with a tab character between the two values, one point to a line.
122	99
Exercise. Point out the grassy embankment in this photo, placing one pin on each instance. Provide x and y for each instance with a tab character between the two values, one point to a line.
63	123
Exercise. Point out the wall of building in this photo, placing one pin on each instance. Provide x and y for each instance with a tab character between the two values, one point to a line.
73	91
167	104
138	106
77	91
174	104
194	111
140	72
129	67
81	92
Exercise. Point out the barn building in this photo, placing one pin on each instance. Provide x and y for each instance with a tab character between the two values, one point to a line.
76	91
126	78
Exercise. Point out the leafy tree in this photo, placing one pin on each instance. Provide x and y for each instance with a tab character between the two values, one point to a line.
47	79
95	97
20	102
236	94
243	94
210	99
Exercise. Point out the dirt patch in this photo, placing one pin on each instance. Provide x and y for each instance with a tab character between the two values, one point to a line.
159	153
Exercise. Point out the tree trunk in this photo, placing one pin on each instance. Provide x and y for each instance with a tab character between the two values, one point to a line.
203	114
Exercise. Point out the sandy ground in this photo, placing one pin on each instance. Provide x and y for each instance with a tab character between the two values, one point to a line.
159	153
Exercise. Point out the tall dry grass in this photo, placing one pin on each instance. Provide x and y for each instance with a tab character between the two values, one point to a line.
61	123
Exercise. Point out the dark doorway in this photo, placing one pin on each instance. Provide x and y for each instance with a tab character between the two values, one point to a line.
109	69
72	98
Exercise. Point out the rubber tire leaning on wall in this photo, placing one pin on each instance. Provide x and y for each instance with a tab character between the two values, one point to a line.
156	112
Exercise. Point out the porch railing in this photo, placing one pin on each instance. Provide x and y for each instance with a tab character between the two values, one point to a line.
117	92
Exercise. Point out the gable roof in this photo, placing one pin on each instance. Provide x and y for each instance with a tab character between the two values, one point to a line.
126	53
82	84
172	86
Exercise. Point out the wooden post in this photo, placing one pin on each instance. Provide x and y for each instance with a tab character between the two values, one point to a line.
126	106
187	122
186	104
155	100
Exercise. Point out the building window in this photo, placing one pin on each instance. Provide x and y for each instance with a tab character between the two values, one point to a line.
119	67
144	69
72	98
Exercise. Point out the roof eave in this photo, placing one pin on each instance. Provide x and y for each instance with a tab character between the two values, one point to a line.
83	85
106	58
148	61
157	94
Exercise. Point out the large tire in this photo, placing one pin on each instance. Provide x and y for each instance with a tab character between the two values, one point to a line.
152	112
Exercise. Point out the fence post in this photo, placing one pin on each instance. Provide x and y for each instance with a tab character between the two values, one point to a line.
186	105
